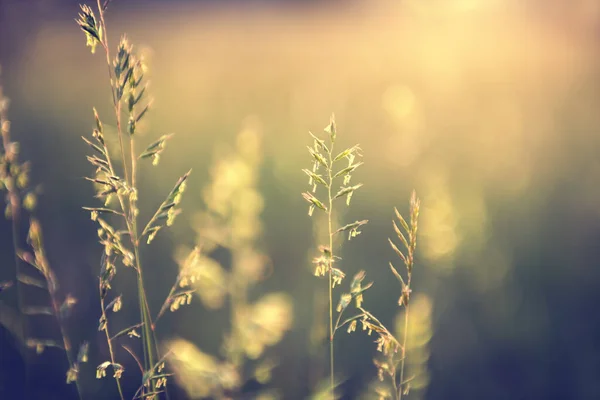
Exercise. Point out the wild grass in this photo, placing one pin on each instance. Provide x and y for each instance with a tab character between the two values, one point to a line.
32	267
122	246
324	157
410	246
230	228
230	223
394	348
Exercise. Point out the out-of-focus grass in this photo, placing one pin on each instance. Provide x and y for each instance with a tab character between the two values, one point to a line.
461	94
488	108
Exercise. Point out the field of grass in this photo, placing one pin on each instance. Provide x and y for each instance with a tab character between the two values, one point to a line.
224	260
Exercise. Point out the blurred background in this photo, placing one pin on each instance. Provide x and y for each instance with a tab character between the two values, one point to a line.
489	109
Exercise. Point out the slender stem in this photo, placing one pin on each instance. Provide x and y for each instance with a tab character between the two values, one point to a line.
44	266
131	225
395	391
330	222
337	324
15	209
372	317
137	360
15	232
108	341
63	333
128	329
133	166
121	146
151	376
148	333
150	342
180	276
149	336
315	368
403	351
126	219
165	304
14	204
146	316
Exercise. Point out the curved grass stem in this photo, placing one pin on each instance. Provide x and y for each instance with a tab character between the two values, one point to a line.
109	341
404	340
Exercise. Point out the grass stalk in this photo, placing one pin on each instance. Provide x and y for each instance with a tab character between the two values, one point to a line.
41	262
14	178
403	348
126	73
410	229
324	263
15	214
130	215
330	227
109	340
14	205
65	338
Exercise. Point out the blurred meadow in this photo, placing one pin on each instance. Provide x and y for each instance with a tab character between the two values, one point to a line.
489	109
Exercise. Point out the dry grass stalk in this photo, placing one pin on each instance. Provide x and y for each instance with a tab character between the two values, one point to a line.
122	246
21	200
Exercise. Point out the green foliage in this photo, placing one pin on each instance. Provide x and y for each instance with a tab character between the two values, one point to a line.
392	366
